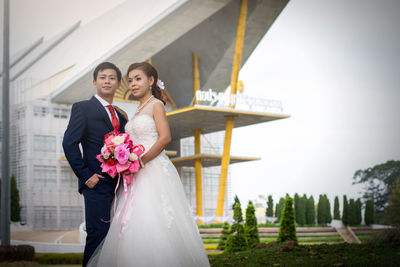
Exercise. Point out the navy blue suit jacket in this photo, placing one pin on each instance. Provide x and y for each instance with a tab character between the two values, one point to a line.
88	124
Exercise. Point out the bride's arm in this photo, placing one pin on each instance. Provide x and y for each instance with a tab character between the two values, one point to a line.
164	134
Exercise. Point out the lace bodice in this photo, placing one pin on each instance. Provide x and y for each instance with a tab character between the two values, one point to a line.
142	128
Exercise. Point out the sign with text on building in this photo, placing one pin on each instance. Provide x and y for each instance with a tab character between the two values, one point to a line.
240	101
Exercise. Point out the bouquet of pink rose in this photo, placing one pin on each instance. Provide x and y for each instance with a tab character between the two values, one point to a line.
120	155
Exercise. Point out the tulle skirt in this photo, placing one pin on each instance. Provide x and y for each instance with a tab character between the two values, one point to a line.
153	225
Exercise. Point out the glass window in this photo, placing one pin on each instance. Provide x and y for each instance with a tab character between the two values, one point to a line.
45	217
44	176
40	111
44	143
71	217
68	179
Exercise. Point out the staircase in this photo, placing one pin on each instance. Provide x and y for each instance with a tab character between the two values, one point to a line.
348	235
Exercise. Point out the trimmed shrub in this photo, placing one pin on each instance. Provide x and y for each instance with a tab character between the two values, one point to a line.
17	253
251	228
279	208
386	236
324	210
345	215
59	258
224	236
336	212
358	211
237	241
287	229
310	211
270	207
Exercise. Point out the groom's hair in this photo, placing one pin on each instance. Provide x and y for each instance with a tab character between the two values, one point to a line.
104	66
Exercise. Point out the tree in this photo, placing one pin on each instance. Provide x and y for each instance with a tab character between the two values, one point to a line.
224	236
235	200
392	211
279	208
324	210
251	228
15	207
336	212
345	215
14	198
369	215
300	209
270	207
379	182
358	209
310	211
287	226
352	212
296	206
237	241
328	209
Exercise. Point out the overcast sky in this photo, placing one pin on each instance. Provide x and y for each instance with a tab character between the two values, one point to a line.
333	64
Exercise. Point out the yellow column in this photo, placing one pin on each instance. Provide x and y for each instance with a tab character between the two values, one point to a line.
230	120
199	184
197	143
196	77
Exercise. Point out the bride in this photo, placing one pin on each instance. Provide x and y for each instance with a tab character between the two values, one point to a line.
153	225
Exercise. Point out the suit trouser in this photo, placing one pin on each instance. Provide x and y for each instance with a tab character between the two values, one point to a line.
98	203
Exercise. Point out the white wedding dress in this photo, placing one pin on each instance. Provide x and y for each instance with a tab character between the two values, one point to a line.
159	229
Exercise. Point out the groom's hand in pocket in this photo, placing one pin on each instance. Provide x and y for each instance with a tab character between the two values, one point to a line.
92	181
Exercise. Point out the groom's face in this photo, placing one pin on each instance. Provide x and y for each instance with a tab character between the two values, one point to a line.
106	83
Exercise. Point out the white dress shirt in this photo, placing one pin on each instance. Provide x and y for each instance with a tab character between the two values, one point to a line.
105	104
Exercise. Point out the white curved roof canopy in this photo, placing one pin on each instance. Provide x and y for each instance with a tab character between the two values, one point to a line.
168	32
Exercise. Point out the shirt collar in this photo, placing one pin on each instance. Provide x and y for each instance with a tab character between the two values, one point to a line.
102	101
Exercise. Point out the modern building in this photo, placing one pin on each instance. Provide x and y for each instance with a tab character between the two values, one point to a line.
192	43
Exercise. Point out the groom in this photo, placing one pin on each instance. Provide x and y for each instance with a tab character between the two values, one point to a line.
90	121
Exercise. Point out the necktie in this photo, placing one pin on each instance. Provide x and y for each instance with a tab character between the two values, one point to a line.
114	121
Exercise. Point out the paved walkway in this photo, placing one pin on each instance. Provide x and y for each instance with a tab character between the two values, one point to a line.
57	237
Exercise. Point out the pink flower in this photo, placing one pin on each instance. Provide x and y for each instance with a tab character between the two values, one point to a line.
122	153
122	167
106	152
109	141
130	143
99	158
110	169
134	166
126	136
138	150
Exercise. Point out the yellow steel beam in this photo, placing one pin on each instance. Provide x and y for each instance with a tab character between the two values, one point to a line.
149	60
196	77
224	166
199	184
237	59
231	111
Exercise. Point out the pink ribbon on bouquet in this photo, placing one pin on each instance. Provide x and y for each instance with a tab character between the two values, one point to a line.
125	172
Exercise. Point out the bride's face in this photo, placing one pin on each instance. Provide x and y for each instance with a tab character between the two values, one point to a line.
139	83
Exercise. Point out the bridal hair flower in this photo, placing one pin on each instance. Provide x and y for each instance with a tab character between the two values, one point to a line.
160	84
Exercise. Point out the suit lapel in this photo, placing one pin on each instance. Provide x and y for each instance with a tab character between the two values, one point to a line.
102	111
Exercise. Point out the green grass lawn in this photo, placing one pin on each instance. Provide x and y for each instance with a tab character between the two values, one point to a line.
342	254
